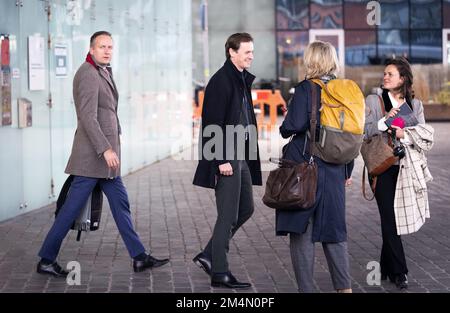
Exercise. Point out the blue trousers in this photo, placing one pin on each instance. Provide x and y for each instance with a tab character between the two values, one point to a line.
80	190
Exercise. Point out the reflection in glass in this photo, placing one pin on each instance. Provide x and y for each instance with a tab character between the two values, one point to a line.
292	14
426	46
392	43
425	13
394	14
326	14
360	47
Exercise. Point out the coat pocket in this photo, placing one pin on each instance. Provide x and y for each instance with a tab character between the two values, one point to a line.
109	131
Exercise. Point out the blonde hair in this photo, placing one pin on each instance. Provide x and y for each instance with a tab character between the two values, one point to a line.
320	59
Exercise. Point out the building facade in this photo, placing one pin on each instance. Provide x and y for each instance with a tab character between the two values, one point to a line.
364	32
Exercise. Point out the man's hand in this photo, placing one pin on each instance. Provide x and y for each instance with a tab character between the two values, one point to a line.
226	169
111	159
284	110
348	182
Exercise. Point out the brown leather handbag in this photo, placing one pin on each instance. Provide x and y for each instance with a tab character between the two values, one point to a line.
378	155
293	186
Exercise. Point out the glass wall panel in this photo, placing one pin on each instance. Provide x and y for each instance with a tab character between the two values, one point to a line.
394	14
426	46
11	177
360	47
63	117
36	138
292	14
326	14
355	14
291	46
446	13
393	43
426	14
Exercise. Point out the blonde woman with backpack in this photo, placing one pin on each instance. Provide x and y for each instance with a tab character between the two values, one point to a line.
324	222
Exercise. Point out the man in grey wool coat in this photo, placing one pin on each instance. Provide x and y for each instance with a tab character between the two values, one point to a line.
95	159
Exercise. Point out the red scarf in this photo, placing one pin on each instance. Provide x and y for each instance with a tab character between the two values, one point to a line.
90	60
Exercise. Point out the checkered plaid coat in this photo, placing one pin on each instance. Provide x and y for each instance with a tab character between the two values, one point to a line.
411	196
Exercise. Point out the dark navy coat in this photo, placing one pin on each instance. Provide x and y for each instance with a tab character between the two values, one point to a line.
329	209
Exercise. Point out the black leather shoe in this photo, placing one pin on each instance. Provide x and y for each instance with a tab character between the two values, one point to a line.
227	280
51	269
401	281
203	262
149	262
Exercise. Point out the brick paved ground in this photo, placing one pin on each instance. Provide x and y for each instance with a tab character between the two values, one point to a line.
175	219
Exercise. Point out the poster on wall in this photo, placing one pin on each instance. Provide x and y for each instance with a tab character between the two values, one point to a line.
36	62
5	82
60	61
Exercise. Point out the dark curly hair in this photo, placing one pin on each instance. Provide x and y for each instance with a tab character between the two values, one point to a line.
404	69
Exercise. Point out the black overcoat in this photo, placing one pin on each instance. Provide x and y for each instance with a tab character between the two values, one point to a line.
222	106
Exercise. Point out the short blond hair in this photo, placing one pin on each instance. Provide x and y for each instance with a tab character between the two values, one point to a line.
320	59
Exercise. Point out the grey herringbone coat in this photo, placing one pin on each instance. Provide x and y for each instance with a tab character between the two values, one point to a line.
98	129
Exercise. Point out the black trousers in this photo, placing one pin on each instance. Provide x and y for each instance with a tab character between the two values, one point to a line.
234	200
392	260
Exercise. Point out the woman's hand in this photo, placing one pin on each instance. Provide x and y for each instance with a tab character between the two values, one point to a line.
399	133
393	112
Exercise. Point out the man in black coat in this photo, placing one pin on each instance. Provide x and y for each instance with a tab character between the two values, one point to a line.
229	160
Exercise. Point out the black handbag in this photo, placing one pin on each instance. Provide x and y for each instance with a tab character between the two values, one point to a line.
90	214
293	186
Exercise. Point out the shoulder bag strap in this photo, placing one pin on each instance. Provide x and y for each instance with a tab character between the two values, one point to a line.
313	120
380	101
374	179
363	185
383	110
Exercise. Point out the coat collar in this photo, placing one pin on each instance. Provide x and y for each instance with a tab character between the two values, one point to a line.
234	72
94	63
387	101
108	78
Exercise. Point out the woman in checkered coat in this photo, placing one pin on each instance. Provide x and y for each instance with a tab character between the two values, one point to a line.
396	92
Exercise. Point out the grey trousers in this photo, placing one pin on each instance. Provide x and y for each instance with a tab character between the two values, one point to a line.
234	200
303	256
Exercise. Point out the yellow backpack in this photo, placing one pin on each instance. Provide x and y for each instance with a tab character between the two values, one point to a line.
342	117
